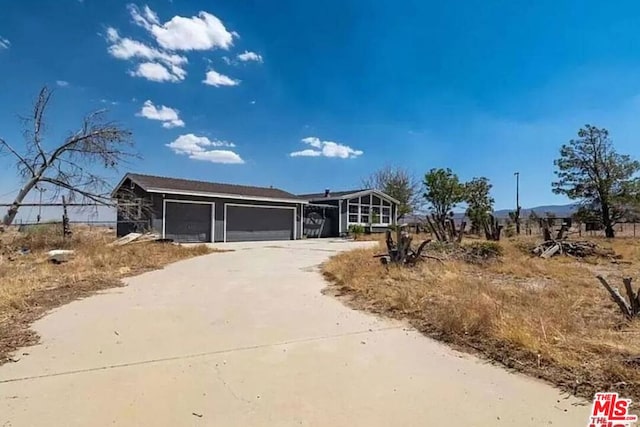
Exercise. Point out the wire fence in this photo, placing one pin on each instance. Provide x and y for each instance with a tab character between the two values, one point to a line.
624	229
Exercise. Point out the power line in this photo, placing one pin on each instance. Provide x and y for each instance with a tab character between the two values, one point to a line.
10	192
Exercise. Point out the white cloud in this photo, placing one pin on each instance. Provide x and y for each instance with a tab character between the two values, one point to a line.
62	83
162	60
198	148
213	78
160	66
155	72
217	156
202	32
168	116
326	149
306	153
249	56
4	43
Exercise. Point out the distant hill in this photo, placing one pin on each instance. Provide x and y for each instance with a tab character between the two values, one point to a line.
558	210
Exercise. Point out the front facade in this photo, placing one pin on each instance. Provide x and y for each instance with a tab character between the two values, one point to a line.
196	211
331	214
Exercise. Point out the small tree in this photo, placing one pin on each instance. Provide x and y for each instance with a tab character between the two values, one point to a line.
68	165
398	183
590	170
443	192
479	202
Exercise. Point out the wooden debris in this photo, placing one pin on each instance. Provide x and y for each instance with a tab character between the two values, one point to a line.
579	249
135	238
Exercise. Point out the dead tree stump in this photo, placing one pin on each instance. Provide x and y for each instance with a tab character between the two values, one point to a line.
492	228
400	252
630	308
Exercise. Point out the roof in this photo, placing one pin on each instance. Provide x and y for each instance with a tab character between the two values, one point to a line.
336	195
159	184
332	194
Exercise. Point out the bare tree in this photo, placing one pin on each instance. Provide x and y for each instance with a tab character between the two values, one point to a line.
71	165
398	183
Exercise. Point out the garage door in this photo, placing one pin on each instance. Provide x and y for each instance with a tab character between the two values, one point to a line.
244	223
188	222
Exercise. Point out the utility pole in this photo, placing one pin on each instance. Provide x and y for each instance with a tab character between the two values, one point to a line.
517	214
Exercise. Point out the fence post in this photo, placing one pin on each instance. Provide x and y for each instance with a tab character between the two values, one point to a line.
66	231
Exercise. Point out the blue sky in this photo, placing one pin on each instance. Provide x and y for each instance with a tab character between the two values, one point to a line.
483	87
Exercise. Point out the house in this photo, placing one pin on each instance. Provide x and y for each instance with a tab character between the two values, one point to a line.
197	211
330	214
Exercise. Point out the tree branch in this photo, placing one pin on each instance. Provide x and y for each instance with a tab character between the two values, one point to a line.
20	158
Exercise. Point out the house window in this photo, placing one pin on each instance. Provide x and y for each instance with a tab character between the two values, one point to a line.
368	210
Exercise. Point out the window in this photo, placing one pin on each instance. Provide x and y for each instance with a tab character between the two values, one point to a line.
369	209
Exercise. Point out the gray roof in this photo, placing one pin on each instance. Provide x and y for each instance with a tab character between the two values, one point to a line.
150	182
332	194
335	195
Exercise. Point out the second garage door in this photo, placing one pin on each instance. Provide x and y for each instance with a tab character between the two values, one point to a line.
248	223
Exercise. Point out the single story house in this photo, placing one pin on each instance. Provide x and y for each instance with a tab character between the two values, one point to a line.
197	211
330	214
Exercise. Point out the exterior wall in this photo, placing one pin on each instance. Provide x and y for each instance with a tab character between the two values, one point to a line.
157	211
344	218
144	222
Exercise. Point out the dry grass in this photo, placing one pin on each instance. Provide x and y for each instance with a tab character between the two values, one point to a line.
31	285
548	318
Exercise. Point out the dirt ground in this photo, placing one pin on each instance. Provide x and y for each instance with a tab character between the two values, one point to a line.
31	285
548	318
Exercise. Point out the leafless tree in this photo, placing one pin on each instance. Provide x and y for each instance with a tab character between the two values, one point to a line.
72	165
398	183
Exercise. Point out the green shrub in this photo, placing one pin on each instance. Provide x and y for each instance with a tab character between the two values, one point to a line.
356	230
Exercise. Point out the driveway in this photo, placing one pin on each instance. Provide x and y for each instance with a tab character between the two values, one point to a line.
246	338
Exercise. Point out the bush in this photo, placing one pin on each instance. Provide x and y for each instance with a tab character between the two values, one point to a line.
482	251
356	230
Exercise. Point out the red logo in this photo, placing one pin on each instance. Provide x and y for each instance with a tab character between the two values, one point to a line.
609	410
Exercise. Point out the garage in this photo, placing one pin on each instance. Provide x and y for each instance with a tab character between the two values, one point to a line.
245	223
189	222
200	211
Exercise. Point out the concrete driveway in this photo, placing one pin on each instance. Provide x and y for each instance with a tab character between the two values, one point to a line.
245	338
